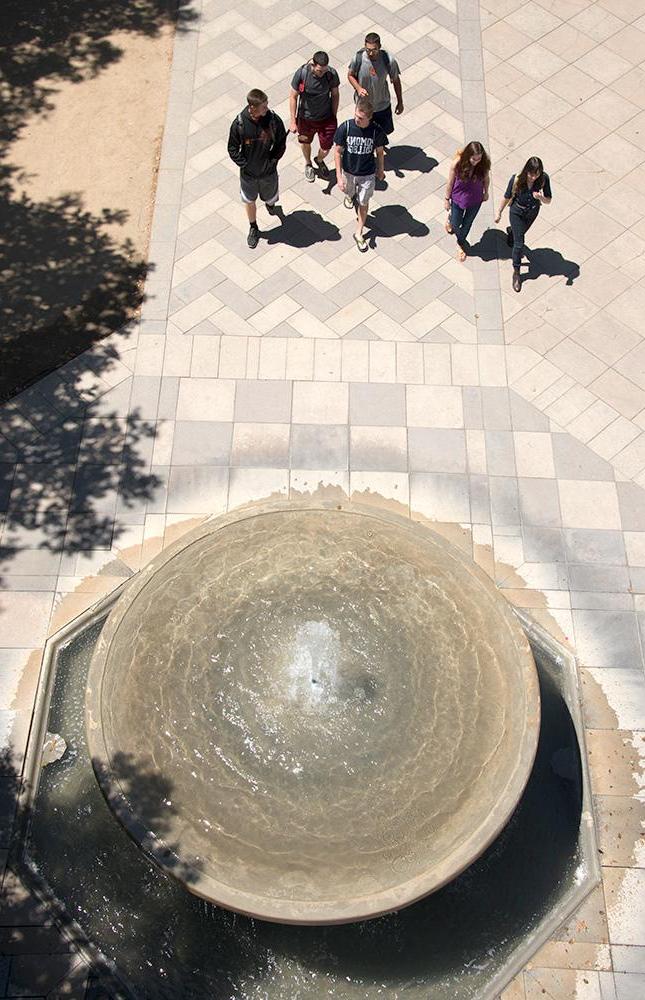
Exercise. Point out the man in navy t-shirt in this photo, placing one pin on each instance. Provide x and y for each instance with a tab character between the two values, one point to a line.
359	150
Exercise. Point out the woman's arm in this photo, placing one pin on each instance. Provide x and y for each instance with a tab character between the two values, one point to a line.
486	184
502	205
450	182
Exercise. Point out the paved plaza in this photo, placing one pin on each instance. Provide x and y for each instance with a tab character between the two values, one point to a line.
513	424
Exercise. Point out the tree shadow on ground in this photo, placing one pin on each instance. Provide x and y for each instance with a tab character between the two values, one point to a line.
301	229
67	486
64	282
542	261
393	220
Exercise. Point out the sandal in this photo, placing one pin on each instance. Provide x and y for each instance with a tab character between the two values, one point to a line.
461	254
448	227
360	243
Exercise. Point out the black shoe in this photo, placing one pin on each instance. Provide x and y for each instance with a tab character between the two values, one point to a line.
274	209
253	238
509	236
517	281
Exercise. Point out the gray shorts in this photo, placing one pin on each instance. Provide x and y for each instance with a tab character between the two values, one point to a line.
361	186
266	187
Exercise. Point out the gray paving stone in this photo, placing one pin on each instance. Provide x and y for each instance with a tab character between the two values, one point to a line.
500	453
599	578
426	291
504	501
632	507
168	395
496	409
524	416
480	499
472	404
351	287
260	446
197	489
378	404
378	449
440	496
543	544
144	398
573	460
319	447
270	289
436	450
392	305
201	442
321	306
268	401
595	546
606	638
539	502
205	280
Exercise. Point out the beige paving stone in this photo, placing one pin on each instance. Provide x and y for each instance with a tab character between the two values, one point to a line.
434	406
24	618
617	391
571	80
588	505
616	762
205	399
589	922
625	895
576	955
631	459
603	64
437	364
377	486
577	362
606	337
620	821
320	403
593	419
534	455
233	356
562	984
382	361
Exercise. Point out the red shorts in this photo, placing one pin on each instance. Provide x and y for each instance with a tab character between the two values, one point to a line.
325	131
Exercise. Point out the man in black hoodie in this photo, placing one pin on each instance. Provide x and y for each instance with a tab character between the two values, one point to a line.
256	142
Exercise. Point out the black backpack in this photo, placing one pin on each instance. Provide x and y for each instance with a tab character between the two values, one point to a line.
302	83
358	58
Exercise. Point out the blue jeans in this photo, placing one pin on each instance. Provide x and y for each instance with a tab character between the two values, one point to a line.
461	219
521	222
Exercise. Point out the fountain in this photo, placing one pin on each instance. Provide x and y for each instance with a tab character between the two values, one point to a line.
312	715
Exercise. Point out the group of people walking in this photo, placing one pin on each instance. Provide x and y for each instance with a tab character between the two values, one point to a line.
258	139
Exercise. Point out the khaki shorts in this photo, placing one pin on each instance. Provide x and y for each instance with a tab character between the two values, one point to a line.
360	186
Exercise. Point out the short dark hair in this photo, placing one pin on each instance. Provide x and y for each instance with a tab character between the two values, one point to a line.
320	58
373	39
256	97
364	104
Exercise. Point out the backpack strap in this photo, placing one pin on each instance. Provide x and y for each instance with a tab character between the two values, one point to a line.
355	64
239	121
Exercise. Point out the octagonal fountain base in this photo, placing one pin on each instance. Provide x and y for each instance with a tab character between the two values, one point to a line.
157	940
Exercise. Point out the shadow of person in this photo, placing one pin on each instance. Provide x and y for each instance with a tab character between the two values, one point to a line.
393	220
331	181
301	229
550	263
401	158
542	261
492	245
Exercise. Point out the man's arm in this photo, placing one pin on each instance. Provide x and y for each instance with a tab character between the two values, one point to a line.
335	94
398	90
353	79
235	150
380	163
280	141
293	109
338	153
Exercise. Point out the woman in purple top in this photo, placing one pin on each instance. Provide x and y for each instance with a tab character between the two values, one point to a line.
467	188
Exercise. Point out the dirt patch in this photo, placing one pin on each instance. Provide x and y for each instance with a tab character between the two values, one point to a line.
81	122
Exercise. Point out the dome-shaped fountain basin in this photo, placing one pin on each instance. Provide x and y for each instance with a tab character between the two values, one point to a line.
312	715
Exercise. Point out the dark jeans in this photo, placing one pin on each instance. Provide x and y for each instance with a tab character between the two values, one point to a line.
461	219
521	222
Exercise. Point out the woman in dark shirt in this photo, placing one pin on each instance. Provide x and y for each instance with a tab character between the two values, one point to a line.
525	192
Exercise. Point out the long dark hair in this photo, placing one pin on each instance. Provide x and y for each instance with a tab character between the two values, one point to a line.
535	166
465	168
